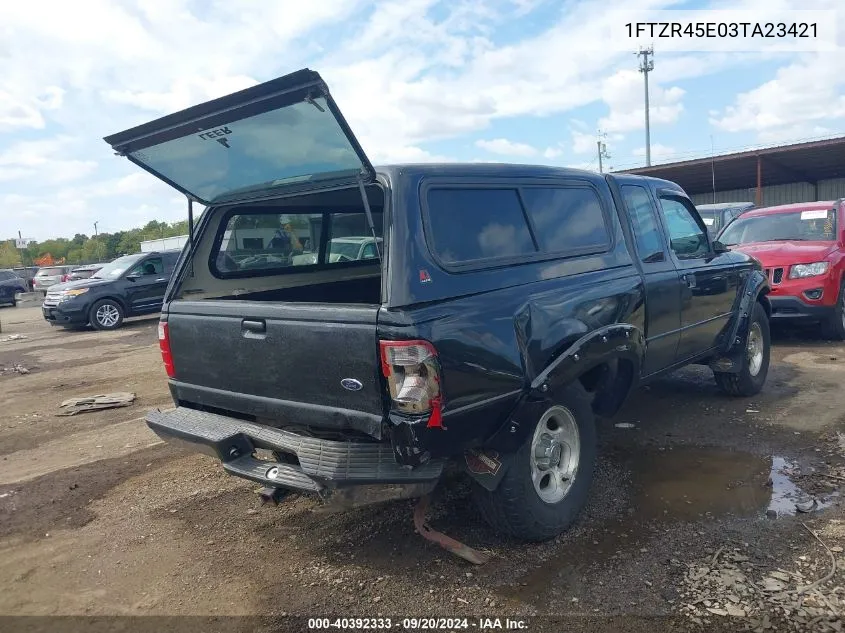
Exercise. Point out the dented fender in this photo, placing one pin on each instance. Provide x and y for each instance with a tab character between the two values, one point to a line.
733	350
619	340
605	344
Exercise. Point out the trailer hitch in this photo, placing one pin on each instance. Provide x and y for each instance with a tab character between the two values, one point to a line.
455	547
272	495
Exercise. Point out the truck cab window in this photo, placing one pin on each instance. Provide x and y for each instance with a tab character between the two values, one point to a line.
273	243
686	238
644	223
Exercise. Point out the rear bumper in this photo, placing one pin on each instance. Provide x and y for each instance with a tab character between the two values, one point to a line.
310	464
785	308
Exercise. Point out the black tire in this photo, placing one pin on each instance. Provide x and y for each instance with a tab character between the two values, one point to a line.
14	302
834	327
746	382
106	314
516	508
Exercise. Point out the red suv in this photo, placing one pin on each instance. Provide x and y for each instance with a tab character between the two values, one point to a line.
802	248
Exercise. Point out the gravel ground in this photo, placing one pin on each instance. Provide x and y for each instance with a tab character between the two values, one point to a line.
707	513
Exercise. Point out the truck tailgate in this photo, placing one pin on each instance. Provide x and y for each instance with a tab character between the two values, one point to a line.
285	363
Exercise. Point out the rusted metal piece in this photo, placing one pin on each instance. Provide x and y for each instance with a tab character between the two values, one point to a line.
456	547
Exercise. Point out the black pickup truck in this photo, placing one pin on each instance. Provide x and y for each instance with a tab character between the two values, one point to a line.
498	309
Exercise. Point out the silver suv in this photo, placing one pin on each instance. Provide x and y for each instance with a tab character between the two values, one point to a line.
50	276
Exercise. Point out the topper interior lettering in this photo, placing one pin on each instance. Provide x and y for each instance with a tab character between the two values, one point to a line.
213	134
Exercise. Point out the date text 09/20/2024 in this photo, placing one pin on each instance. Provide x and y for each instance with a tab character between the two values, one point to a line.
418	624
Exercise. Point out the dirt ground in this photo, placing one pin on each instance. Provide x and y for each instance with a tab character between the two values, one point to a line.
99	518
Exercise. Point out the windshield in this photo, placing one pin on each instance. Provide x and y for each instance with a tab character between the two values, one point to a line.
813	225
350	249
115	269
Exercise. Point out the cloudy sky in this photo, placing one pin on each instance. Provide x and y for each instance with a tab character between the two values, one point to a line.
419	80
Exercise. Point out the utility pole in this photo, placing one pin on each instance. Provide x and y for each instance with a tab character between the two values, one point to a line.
602	149
713	167
646	66
97	240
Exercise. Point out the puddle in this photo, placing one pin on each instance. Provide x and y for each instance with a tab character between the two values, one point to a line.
675	485
686	484
787	497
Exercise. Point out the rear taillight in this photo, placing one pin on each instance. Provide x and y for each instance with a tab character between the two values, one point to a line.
164	346
413	378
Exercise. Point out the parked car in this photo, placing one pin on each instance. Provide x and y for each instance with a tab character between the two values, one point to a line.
344	249
84	272
10	286
129	286
48	276
511	304
802	249
718	216
27	273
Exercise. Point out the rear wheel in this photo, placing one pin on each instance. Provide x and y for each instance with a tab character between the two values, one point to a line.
549	479
834	327
106	314
749	380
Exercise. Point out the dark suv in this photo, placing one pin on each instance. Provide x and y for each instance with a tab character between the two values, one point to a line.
131	285
504	307
10	286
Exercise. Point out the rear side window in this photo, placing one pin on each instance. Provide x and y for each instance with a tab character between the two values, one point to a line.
5	275
250	244
566	218
476	224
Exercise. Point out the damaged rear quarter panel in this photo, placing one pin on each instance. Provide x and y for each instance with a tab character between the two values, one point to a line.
496	329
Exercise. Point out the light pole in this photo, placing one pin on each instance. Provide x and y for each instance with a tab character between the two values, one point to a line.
646	66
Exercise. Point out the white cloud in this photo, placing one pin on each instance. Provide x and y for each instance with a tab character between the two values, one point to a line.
583	143
801	95
504	147
182	93
659	153
404	72
44	160
624	94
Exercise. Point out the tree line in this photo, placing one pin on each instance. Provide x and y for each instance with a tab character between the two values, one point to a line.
84	249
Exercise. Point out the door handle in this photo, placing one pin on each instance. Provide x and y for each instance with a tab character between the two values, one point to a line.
162	279
254	325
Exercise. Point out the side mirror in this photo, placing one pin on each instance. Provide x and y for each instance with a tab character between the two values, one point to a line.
719	248
132	277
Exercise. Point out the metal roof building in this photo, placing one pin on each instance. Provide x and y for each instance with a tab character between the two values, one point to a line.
802	172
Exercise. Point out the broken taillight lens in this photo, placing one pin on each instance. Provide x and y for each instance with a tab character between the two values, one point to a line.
413	378
164	346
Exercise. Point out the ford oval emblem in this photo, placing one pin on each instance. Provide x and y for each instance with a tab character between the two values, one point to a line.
351	384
